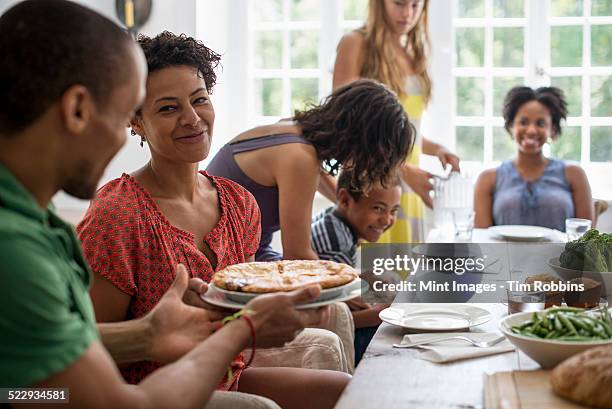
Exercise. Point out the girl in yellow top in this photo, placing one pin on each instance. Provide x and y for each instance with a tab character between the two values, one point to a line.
392	48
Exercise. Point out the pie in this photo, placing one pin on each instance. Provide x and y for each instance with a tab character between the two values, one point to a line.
586	378
284	275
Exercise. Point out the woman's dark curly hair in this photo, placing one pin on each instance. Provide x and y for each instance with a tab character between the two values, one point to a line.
170	50
551	97
363	128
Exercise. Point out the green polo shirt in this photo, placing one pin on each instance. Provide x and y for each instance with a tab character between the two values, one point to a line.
46	317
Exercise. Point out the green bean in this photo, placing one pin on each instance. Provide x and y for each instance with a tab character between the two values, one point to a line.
567	323
578	323
599	330
565	309
552	334
558	325
586	322
607	328
605	316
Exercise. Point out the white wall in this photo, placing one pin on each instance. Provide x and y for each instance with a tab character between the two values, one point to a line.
178	16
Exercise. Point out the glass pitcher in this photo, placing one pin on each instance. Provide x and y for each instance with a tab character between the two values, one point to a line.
453	193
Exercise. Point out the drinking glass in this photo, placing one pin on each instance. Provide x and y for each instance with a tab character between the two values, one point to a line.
521	301
463	219
575	228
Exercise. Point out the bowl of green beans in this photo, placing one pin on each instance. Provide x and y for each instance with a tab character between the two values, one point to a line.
550	336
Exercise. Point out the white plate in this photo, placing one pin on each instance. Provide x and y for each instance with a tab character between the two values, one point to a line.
243	297
522	233
215	297
435	317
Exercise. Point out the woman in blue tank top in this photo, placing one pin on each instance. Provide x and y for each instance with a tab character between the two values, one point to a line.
532	189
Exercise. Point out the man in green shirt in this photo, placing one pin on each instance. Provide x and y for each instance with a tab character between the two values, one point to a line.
71	80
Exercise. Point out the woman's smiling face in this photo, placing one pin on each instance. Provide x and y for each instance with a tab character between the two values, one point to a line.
177	116
532	127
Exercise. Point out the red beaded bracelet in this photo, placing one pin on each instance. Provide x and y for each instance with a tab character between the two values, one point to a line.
241	314
250	322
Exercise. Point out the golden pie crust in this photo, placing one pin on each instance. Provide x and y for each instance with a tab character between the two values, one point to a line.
284	275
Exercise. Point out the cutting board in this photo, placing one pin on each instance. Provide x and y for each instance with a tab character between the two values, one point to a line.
523	390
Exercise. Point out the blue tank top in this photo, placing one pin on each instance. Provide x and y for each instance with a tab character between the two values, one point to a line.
545	202
224	165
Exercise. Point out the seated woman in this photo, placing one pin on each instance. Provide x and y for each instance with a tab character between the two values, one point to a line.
532	189
140	226
361	127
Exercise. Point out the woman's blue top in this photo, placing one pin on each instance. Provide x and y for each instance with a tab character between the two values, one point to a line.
545	202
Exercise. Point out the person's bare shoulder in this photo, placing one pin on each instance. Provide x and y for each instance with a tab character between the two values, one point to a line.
352	40
281	127
299	156
575	174
349	58
574	170
486	179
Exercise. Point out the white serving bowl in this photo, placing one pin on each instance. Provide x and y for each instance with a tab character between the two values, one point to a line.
547	352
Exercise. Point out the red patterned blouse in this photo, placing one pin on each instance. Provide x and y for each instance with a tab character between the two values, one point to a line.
130	242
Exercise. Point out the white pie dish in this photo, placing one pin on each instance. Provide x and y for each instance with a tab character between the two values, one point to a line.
244	297
219	297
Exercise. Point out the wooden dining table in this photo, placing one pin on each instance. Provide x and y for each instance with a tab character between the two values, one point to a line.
389	377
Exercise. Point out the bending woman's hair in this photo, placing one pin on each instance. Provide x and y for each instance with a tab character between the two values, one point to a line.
361	127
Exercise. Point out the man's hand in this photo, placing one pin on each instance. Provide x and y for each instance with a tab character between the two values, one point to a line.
418	180
446	157
276	320
176	327
357	304
193	296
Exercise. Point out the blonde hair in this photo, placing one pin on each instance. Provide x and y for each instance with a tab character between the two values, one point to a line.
379	54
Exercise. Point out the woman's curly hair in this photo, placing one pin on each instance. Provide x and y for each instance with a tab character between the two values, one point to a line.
361	127
170	50
551	97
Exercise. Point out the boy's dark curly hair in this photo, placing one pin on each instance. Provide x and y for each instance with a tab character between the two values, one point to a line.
363	128
170	50
345	179
551	97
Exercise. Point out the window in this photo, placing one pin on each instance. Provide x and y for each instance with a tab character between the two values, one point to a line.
480	49
292	48
566	43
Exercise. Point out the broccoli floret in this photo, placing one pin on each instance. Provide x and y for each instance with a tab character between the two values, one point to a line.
572	259
591	252
594	257
589	235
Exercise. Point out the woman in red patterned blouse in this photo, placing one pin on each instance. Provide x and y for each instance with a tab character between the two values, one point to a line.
140	226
